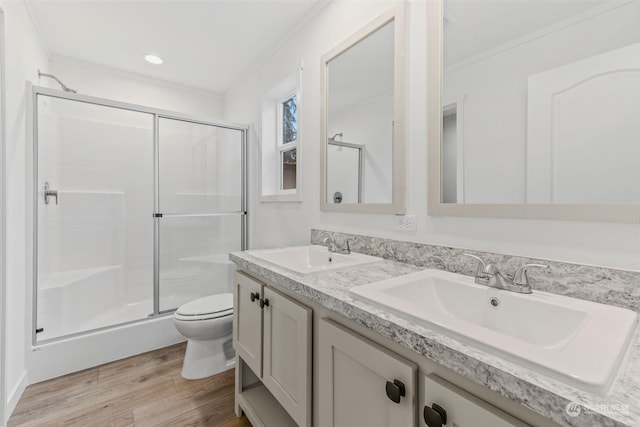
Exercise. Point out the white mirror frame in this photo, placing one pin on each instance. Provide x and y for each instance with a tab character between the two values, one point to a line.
625	213
397	206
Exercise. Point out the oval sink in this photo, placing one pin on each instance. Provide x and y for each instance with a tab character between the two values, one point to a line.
312	259
578	342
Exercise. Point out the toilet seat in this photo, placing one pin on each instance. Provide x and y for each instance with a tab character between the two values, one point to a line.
210	307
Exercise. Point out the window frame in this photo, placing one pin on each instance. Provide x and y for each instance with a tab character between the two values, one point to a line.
272	147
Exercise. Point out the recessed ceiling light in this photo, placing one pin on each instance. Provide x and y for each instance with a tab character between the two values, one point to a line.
153	59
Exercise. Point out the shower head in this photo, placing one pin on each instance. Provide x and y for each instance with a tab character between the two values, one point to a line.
64	87
333	138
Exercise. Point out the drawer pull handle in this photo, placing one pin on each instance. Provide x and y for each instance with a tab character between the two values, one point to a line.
264	302
254	296
435	416
395	390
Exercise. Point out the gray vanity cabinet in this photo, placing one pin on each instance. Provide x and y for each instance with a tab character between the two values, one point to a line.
362	383
272	336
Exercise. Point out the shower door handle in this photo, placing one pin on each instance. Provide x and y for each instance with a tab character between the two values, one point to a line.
49	193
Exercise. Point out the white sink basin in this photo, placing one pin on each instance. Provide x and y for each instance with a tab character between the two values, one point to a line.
578	342
312	259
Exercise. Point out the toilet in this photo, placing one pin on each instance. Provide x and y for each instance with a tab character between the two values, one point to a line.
207	323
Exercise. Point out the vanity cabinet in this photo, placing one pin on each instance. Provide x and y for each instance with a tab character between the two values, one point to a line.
441	401
362	383
360	379
272	337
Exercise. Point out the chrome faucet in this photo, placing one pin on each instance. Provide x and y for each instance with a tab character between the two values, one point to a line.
489	275
334	247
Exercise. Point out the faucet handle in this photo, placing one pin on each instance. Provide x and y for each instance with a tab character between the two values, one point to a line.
520	277
329	242
481	264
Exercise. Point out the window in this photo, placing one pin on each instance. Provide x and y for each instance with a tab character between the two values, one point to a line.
288	141
281	142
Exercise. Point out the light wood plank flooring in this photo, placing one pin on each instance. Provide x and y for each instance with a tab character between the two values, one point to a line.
143	390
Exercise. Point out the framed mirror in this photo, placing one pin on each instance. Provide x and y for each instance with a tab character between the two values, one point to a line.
534	109
363	125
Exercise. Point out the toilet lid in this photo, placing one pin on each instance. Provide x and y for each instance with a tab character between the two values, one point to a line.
221	303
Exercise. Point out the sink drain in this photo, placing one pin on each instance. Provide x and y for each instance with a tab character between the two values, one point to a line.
494	301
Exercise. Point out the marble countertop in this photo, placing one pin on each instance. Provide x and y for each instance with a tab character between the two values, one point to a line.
543	395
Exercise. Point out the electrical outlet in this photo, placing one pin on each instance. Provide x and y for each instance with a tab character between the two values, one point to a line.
406	223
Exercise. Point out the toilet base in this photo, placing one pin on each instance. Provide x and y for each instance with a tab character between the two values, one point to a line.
205	358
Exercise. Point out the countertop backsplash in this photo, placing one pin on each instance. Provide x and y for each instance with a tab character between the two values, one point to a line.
607	286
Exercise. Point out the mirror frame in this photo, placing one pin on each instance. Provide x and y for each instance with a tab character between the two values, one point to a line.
397	206
623	213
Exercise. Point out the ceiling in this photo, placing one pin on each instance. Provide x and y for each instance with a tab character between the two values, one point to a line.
475	26
207	44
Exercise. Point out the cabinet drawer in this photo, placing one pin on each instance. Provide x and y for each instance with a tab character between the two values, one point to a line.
357	380
462	408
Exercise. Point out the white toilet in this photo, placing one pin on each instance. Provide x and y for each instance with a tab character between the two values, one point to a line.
207	323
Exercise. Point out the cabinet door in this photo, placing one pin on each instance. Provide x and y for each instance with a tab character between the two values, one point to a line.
353	375
247	321
463	409
287	354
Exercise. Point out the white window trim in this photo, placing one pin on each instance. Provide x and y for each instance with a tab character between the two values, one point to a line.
272	139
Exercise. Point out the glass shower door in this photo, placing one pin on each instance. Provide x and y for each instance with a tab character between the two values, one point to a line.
200	209
94	228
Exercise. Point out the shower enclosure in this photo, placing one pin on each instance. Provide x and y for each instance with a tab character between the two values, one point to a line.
136	210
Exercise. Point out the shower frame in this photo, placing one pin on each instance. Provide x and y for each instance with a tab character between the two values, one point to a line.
157	114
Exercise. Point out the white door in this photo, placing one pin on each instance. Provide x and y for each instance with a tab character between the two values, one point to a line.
287	354
357	380
247	321
583	129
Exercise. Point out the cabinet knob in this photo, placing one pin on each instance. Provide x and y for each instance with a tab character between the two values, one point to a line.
264	302
395	390
435	416
255	296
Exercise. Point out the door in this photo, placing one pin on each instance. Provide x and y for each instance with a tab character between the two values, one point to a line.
200	209
287	354
358	379
247	321
590	107
94	225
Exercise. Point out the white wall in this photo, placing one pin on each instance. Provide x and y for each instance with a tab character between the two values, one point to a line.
613	245
95	80
2	217
288	223
24	55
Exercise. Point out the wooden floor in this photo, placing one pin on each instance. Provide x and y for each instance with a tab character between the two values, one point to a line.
143	390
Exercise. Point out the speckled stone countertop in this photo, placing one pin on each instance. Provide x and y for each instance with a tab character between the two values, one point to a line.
543	395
